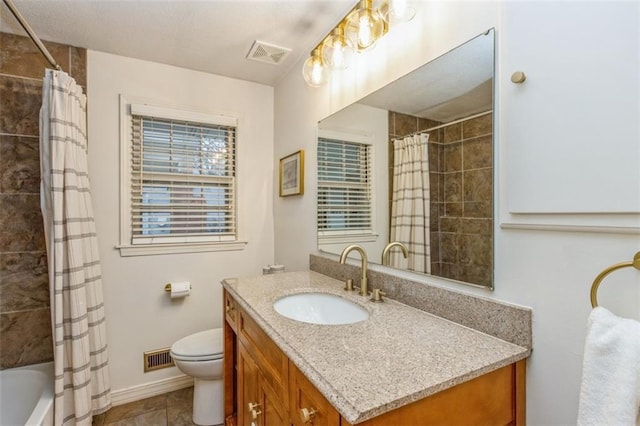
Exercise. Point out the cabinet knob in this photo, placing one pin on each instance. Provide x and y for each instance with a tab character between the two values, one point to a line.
307	414
253	405
518	77
255	414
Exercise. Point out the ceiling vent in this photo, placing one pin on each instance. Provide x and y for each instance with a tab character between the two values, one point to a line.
269	53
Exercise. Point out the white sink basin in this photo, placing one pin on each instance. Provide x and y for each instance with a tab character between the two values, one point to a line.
320	308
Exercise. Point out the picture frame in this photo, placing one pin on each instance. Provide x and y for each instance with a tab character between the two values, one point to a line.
292	174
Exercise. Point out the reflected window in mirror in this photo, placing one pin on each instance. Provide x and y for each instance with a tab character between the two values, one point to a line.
449	102
345	199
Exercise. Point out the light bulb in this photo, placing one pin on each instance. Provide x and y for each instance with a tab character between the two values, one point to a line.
337	59
314	71
337	51
365	26
365	36
397	11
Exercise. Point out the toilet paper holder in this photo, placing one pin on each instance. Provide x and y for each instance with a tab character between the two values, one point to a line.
167	287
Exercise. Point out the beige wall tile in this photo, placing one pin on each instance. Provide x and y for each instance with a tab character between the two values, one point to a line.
19	56
19	164
24	281
26	338
21	227
20	101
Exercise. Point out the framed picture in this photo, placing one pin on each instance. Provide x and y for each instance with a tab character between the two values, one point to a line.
292	174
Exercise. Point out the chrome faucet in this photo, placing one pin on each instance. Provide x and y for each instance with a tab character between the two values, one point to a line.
387	249
363	255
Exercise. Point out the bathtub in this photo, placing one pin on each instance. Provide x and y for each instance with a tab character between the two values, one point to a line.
26	395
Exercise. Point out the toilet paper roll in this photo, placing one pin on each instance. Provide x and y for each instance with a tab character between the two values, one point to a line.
180	289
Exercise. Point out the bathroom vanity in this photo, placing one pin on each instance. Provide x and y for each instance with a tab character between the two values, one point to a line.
399	366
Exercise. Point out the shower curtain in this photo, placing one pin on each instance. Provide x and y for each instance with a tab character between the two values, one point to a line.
82	385
410	202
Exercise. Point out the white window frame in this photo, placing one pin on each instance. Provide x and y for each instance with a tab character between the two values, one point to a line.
351	236
161	245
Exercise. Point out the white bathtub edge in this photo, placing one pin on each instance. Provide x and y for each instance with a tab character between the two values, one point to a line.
42	414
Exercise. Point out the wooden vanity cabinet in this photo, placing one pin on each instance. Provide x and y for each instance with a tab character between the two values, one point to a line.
258	372
262	374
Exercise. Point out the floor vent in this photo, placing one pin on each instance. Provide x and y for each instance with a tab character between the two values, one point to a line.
269	53
155	360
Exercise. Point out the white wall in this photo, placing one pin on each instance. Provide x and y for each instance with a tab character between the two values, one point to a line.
545	261
140	316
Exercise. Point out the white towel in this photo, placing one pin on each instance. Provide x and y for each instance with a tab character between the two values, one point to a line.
610	389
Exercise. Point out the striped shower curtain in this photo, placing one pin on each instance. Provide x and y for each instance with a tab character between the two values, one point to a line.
410	202
82	385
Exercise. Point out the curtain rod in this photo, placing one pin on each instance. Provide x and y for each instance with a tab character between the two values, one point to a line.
440	126
32	34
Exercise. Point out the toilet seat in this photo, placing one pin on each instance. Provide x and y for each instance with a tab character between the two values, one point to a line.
203	346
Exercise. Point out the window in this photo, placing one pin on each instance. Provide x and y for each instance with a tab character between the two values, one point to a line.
182	181
344	188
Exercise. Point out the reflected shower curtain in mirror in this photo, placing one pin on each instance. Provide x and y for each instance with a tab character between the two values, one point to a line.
82	384
410	202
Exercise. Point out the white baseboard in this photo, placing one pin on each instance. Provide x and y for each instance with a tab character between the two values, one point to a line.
148	390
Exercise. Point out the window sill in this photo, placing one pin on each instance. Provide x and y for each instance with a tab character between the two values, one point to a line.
177	248
353	238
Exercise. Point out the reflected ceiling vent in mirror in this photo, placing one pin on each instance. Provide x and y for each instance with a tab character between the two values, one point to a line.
268	53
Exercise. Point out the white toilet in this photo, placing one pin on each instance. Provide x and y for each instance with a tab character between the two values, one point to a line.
200	355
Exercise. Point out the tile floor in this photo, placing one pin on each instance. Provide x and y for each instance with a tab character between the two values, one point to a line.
170	409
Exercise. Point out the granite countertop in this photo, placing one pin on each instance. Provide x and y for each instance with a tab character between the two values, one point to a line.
397	356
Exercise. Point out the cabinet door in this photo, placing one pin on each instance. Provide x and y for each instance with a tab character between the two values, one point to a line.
569	133
248	378
272	407
250	401
304	396
258	403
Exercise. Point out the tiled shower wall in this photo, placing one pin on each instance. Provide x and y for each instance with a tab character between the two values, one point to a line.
25	324
461	186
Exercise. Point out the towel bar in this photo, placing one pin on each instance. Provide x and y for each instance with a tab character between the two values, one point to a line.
596	283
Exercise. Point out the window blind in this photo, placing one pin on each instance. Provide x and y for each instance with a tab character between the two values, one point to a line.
344	187
182	181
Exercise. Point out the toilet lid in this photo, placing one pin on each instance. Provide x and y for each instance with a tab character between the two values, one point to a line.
204	345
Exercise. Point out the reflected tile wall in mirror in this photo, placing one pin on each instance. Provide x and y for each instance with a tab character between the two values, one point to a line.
461	191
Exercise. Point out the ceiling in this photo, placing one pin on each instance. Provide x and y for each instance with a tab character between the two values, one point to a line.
455	85
213	36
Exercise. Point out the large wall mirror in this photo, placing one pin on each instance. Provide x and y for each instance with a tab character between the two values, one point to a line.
412	164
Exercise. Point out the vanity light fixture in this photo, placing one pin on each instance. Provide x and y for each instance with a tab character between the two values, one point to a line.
357	31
